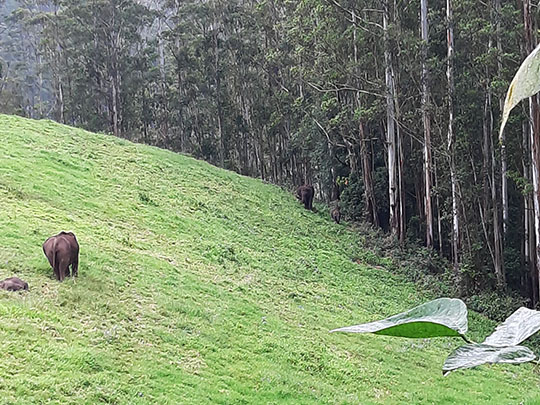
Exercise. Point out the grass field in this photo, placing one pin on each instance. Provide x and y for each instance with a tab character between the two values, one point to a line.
199	286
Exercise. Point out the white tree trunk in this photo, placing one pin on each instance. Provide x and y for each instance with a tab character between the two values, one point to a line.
427	124
504	165
497	242
498	262
534	142
456	237
390	125
535	159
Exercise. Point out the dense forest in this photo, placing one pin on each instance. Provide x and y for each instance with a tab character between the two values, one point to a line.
392	107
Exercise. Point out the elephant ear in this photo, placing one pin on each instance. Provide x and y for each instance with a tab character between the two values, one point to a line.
440	317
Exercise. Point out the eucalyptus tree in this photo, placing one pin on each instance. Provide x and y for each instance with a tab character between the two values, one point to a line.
427	124
456	230
370	210
498	261
497	16
534	139
391	140
92	46
530	168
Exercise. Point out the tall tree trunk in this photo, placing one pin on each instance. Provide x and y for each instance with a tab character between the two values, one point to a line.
114	99
534	133
40	83
497	242
529	240
114	41
456	237
401	183
534	144
504	164
390	126
438	206
427	124
399	140
369	192
56	53
482	201
535	159
164	107
61	100
489	155
217	82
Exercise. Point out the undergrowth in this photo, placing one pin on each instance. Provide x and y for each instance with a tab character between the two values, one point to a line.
431	272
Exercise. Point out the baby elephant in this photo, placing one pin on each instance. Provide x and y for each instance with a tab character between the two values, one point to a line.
62	250
13	284
336	214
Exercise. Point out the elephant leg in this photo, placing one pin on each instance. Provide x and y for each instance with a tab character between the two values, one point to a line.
56	270
75	268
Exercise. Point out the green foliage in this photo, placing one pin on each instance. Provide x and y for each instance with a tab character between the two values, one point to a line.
428	270
353	197
523	184
495	304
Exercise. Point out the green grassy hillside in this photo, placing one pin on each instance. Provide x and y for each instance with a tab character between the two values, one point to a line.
198	285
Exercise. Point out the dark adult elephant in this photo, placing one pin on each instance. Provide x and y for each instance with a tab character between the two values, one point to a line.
62	250
305	194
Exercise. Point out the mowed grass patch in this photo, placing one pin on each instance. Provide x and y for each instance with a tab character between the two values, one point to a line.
198	285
